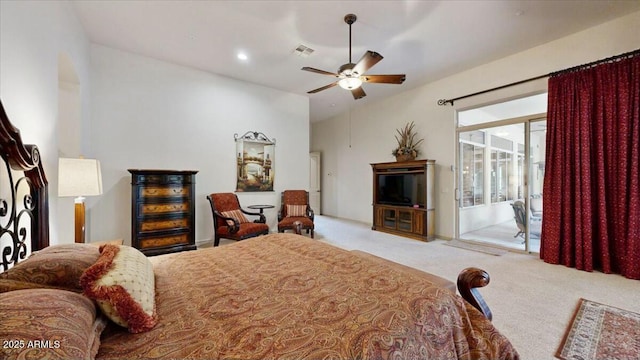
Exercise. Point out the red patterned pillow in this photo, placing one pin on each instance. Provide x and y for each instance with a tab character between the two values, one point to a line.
122	283
296	210
235	214
49	324
55	266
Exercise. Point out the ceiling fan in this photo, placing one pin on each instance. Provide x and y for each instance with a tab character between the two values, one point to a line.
351	76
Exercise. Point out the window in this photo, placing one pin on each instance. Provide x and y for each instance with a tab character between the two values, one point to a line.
520	185
502	181
472	168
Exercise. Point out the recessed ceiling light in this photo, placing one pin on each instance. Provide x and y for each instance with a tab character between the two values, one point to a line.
243	56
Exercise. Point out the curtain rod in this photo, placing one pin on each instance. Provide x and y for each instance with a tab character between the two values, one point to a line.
555	73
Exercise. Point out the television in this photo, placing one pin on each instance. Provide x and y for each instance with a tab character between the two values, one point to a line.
402	189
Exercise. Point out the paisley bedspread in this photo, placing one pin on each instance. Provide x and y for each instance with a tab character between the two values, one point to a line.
284	296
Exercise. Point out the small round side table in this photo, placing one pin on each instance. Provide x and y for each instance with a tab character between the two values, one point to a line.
260	207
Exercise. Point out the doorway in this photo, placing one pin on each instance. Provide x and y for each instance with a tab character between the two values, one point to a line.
500	166
314	182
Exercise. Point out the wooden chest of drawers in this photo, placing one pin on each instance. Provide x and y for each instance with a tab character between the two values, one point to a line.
162	210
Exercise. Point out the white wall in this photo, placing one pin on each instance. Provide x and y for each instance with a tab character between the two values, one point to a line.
149	114
34	34
346	173
32	37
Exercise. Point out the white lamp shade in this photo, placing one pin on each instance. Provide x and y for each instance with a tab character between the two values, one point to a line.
79	177
350	83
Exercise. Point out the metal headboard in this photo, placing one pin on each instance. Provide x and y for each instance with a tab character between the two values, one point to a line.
24	197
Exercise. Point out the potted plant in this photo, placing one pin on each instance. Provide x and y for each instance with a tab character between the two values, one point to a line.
408	147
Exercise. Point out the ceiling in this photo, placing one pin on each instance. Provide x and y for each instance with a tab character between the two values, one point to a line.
426	40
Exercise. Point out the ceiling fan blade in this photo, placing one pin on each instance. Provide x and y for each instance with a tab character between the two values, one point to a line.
318	71
322	88
367	61
384	79
358	93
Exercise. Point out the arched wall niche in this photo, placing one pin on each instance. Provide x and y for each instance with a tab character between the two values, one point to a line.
69	136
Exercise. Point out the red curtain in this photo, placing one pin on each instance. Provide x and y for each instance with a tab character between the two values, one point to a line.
592	174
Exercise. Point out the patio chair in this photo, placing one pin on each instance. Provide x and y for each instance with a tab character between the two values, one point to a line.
520	216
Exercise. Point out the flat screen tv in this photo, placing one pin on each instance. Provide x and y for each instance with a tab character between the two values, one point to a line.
402	189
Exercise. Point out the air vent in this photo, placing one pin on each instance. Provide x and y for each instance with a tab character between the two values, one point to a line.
303	51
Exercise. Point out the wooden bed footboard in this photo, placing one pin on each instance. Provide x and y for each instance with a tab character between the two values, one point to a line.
469	280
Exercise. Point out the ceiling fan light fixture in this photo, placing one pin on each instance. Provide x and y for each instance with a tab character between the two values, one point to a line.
350	83
350	76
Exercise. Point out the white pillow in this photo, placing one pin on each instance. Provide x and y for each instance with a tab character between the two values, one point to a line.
122	283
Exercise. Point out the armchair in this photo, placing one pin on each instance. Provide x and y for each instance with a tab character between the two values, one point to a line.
229	221
295	212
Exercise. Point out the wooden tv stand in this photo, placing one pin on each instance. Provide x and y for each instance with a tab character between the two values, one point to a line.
411	220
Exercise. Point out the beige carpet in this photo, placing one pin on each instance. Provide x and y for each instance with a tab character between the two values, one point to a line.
475	247
532	302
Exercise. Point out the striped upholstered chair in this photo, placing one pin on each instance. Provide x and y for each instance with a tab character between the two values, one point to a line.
295	208
229	221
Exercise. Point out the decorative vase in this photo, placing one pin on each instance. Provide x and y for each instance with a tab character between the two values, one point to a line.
405	157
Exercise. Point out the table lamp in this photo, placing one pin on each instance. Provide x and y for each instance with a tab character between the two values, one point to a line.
79	178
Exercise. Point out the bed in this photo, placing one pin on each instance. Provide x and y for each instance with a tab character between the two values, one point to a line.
278	296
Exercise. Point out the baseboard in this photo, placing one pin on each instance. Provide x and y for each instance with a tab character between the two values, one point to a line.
204	243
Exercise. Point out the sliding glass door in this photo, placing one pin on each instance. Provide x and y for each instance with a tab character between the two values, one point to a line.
500	172
537	141
493	180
